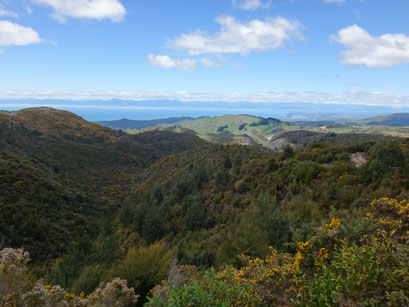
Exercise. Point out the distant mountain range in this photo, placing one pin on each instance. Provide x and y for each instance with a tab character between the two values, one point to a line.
392	120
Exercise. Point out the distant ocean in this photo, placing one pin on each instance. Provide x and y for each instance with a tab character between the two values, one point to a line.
98	114
98	110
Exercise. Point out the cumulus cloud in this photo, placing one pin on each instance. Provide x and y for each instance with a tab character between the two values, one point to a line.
6	13
12	34
251	5
351	97
209	63
237	37
372	51
166	61
85	9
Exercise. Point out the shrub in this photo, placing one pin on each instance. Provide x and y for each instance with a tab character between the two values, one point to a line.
13	271
375	273
144	267
114	293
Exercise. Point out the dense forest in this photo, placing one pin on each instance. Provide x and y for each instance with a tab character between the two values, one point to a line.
96	217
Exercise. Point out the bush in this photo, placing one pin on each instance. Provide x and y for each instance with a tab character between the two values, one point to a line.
144	267
114	293
18	288
214	289
13	271
195	216
375	273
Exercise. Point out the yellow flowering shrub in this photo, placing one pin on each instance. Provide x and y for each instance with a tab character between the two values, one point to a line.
260	282
392	214
275	279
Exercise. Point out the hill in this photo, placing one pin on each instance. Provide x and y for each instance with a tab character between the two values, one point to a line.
216	204
236	129
226	129
276	134
61	174
393	120
219	224
56	123
124	124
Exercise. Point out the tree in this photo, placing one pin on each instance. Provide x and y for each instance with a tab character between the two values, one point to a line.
195	216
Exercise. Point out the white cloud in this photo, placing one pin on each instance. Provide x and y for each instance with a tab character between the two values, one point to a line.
6	13
167	62
372	51
251	5
237	37
87	9
12	34
351	97
29	10
209	63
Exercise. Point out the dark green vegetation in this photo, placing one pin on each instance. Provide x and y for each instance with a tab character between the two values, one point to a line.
61	176
156	206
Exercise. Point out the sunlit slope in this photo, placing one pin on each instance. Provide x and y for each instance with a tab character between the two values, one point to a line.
242	129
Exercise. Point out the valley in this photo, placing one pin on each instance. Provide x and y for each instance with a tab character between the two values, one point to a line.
199	203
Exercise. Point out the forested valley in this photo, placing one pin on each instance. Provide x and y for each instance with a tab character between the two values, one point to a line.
92	216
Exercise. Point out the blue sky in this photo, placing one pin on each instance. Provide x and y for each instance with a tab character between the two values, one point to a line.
327	51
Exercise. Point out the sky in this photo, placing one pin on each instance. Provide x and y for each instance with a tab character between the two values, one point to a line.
324	51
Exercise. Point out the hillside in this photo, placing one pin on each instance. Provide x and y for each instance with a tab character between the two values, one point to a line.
201	224
236	129
205	204
61	174
57	123
393	120
275	134
226	129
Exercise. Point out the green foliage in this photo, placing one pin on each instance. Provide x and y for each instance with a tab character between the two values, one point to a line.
195	216
60	175
101	193
375	273
272	222
212	290
306	171
144	267
89	278
153	225
244	237
288	152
